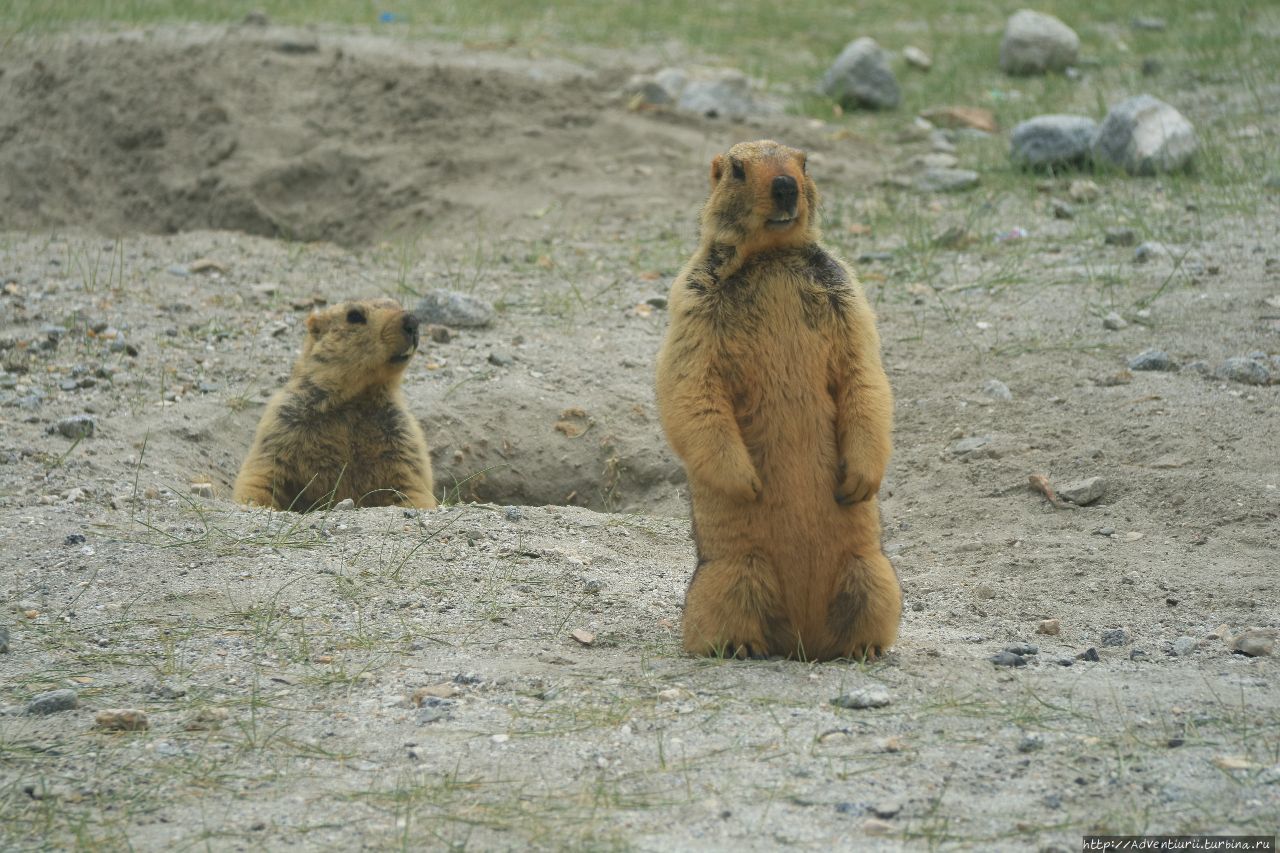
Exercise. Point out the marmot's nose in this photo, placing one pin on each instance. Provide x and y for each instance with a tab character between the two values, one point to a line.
785	191
411	323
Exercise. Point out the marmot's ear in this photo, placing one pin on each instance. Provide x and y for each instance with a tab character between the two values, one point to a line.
315	325
717	169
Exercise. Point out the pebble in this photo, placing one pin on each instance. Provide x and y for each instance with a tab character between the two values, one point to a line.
76	426
513	513
1052	140
1120	237
1154	25
917	58
4	640
1152	359
1115	637
1008	659
1244	370
1151	250
936	160
121	720
864	697
946	180
1089	654
963	118
1024	649
449	308
345	504
1184	646
861	77
1114	322
1256	642
996	389
1031	742
886	809
53	702
500	359
1083	492
1049	627
1144	136
1035	43
202	490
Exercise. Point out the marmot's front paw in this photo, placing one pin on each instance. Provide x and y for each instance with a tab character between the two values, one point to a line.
745	487
857	486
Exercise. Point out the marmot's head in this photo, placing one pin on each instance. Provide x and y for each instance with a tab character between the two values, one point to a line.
356	345
761	198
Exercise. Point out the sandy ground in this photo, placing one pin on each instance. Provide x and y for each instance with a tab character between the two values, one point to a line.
384	678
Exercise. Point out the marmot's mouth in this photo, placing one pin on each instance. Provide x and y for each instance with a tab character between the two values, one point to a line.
404	356
780	220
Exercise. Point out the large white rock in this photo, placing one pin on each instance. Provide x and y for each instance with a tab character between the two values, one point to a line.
1035	43
1144	135
861	77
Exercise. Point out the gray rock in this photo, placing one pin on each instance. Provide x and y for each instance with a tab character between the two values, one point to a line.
997	390
513	513
874	696
885	809
1184	646
726	94
966	446
1035	43
53	702
344	505
940	141
449	308
76	426
1083	492
1062	210
1024	649
1031	742
648	91
1151	250
1008	659
500	359
861	77
1052	140
1144	135
1116	637
1154	25
946	180
1152	359
1244	370
1114	322
1256	642
1089	654
4	640
1120	237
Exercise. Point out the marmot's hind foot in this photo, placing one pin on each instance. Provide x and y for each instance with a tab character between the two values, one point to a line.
863	615
732	609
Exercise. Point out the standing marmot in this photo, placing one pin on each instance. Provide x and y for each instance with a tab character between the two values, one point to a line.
771	391
340	428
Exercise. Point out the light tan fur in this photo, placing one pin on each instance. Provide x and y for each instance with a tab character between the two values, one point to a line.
340	427
771	390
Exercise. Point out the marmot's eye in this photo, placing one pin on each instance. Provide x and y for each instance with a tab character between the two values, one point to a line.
355	315
738	172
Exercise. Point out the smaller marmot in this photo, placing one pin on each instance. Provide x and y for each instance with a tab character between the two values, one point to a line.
771	391
340	427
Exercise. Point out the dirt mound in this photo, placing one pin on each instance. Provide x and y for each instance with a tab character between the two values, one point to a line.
284	134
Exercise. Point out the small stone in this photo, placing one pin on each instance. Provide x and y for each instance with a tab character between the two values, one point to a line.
583	636
1152	359
1008	659
76	426
4	640
1089	654
449	308
53	702
1062	210
1144	136
444	690
178	270
917	58
861	77
1114	322
1035	43
1136	654
1154	25
1120	237
997	390
500	359
1083	191
202	490
1052	140
206	719
1244	370
886	809
1151	250
440	334
1031	742
1256	642
946	180
1024	649
1049	627
1116	637
1083	492
972	446
345	504
1184	646
959	117
513	513
121	720
874	696
876	826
